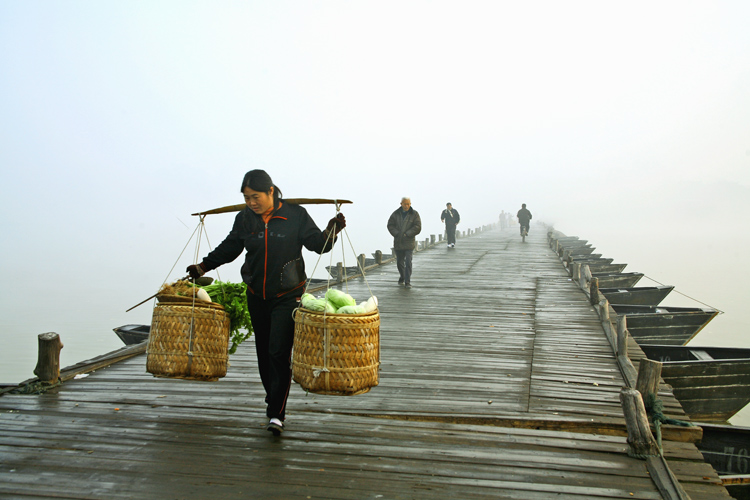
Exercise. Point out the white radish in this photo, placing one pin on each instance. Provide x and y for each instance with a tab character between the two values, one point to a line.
201	294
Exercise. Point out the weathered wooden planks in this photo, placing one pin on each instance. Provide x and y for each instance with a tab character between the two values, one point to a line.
497	382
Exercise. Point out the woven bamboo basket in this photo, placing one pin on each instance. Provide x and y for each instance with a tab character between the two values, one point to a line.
188	341
336	354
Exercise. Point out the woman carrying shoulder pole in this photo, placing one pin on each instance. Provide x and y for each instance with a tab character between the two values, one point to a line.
272	233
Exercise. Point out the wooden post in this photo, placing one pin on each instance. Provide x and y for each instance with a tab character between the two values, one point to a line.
432	239
649	373
622	336
48	361
575	273
378	257
585	275
594	291
339	272
641	441
604	310
362	259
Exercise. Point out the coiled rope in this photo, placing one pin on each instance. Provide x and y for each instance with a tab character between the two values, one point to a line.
655	411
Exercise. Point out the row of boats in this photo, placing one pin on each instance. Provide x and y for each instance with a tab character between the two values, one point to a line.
711	383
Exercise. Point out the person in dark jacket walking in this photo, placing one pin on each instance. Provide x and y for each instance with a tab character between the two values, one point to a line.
404	225
273	233
451	218
524	217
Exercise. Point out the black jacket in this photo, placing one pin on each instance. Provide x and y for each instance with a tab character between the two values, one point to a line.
273	262
524	216
451	218
404	228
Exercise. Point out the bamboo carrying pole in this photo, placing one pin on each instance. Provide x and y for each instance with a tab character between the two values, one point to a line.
293	201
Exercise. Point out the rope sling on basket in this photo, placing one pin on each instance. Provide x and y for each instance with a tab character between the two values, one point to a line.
336	354
189	337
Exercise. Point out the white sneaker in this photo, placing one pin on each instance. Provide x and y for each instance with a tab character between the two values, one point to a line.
276	426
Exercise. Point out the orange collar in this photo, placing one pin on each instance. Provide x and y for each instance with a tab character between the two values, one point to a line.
266	216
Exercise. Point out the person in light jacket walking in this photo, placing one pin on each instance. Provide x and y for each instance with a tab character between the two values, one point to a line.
404	225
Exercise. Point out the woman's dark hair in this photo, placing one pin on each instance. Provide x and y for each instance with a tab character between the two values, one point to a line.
259	180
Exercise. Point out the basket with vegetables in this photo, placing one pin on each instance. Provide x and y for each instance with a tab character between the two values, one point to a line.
336	344
191	329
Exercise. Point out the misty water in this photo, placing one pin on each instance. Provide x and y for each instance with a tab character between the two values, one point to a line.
87	304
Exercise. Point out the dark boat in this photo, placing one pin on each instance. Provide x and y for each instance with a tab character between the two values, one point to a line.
596	267
568	244
727	449
591	256
664	325
712	383
587	259
640	296
584	250
612	280
133	334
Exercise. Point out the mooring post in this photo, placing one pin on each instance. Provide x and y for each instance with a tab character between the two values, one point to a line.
362	260
378	257
649	374
432	239
622	335
594	291
48	360
575	272
604	310
585	275
641	440
339	272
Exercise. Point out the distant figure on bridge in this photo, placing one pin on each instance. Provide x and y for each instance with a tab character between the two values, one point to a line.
451	218
524	217
503	219
404	225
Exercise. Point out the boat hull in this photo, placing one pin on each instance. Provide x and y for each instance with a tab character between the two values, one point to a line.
613	280
664	326
133	334
591	260
606	268
727	448
641	296
711	383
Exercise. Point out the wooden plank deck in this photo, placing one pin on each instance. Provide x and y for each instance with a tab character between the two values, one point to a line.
497	382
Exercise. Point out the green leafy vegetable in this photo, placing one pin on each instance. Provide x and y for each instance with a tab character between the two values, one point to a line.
232	297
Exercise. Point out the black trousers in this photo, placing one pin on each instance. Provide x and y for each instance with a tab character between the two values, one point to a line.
450	230
273	328
403	264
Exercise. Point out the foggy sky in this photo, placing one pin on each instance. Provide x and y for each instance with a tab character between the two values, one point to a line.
120	119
